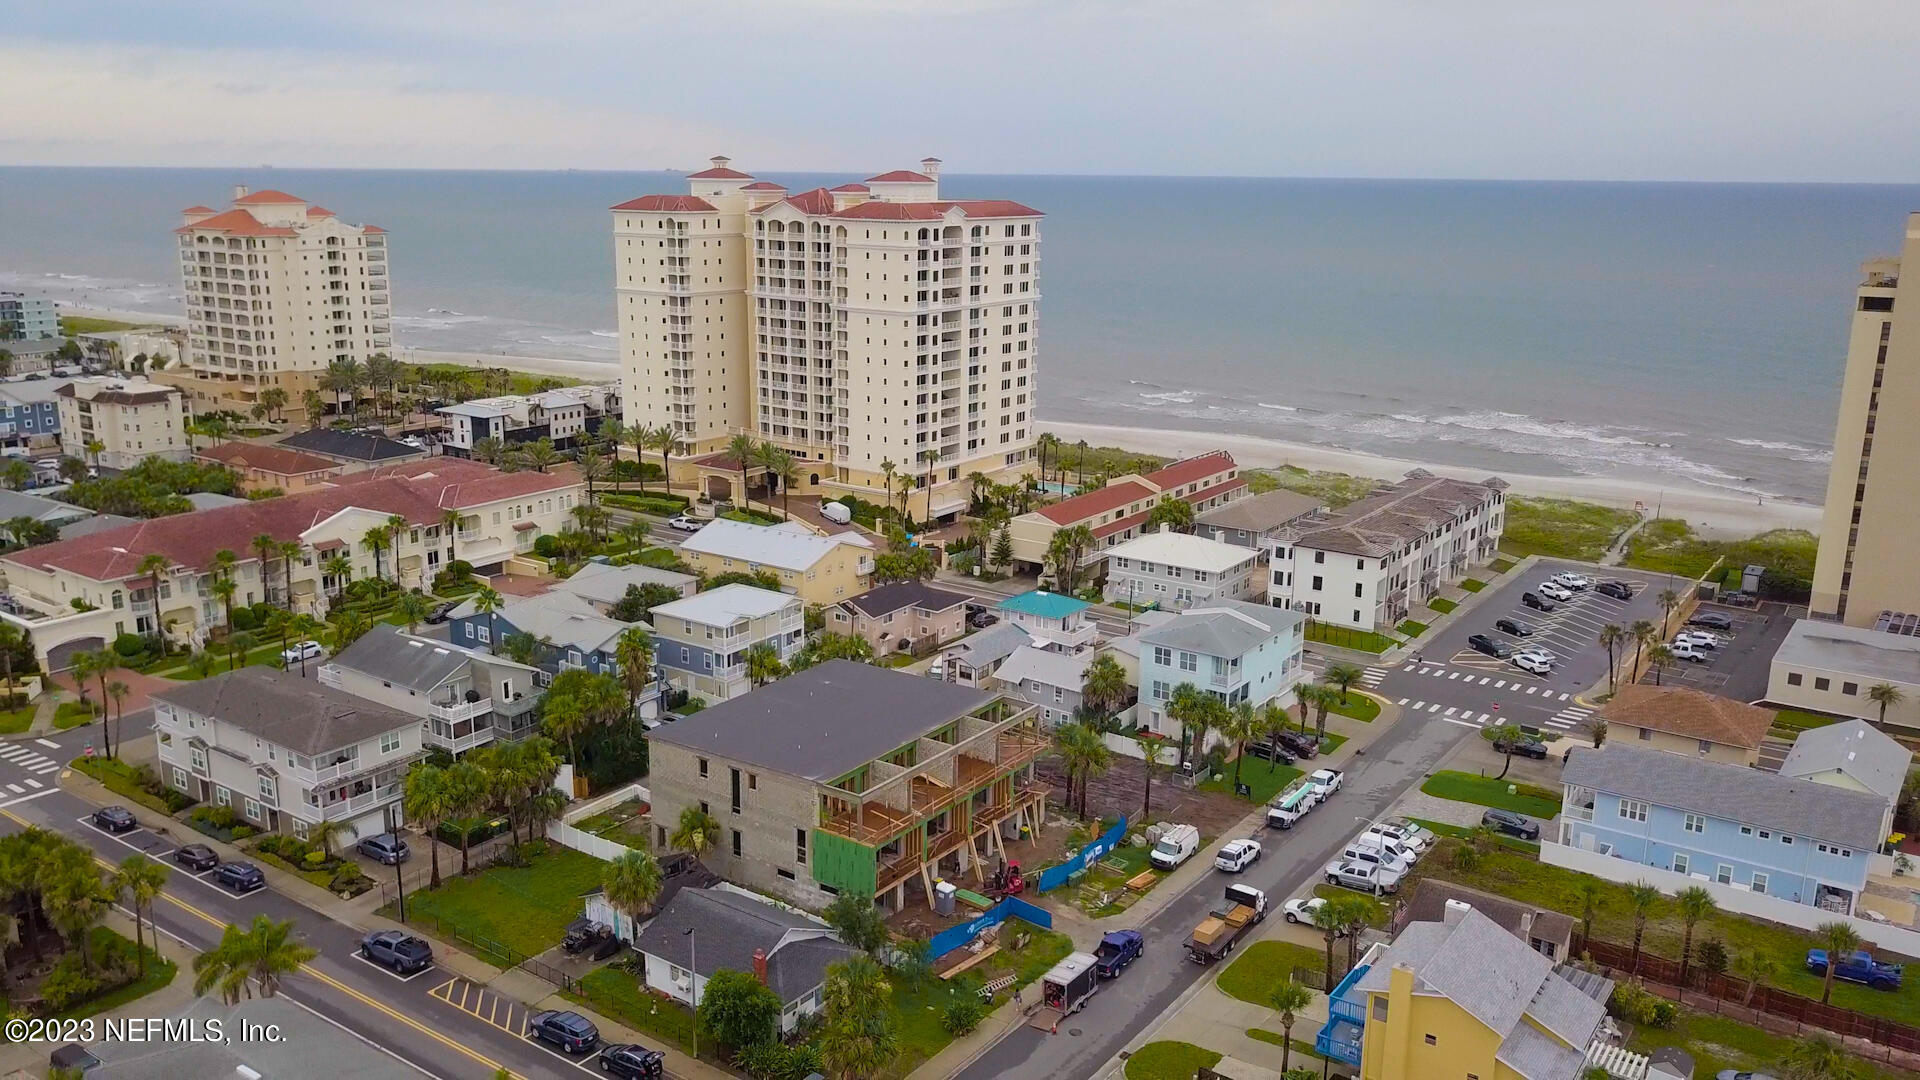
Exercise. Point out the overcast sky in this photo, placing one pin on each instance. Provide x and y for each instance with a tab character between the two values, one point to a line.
1563	89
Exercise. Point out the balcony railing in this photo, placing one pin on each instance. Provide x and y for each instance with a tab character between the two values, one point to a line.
366	800
459	744
324	773
455	712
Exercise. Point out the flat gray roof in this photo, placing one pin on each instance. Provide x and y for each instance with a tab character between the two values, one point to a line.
822	723
1875	655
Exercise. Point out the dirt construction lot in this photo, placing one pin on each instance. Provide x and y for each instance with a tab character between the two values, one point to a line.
1119	791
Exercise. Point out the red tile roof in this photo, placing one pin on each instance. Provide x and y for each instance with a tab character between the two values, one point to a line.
681	204
928	211
816	201
852	187
764	185
418	491
372	229
1094	503
268	197
1191	469
719	174
237	223
272	459
319	211
1690	714
198	210
900	176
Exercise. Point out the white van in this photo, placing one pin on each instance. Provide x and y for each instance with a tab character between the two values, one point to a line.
1176	846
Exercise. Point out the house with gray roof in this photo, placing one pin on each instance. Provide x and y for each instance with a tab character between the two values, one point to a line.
465	698
974	658
49	512
1852	755
1461	995
286	753
847	776
567	631
604	584
1252	521
1799	840
901	615
1231	649
704	931
1046	678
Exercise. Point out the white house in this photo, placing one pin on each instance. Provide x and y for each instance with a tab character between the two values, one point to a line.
1176	571
464	698
285	752
703	931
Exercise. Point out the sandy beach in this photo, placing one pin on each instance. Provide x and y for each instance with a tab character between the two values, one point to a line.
1713	513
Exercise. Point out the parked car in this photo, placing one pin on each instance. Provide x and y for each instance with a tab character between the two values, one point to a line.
1416	837
1300	910
1537	602
1267	751
1327	780
397	949
1687	650
1619	590
1539	652
1499	650
1116	950
1506	821
1237	856
196	857
301	650
385	849
115	819
633	1060
980	620
1365	877
1514	627
1175	846
442	612
1555	590
1573	581
1860	968
1531	662
585	934
1301	746
1712	620
241	877
1699	639
1527	748
685	523
571	1032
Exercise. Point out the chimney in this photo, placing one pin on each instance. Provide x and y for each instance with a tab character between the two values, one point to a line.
239	192
930	166
1166	527
760	965
1456	910
1526	926
720	161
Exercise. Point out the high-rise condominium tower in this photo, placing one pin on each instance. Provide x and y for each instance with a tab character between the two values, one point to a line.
857	326
276	290
1870	538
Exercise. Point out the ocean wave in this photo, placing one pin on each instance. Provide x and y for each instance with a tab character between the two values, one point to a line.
1277	408
605	333
1172	397
1799	453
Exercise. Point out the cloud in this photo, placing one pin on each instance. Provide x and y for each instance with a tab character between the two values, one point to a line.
183	107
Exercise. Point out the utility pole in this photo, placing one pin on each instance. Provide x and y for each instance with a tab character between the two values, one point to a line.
399	882
693	985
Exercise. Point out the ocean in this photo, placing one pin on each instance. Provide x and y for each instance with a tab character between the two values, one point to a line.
1682	333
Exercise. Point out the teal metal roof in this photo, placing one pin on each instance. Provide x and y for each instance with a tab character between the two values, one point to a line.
1044	605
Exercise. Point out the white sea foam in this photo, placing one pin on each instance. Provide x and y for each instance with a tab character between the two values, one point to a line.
1799	453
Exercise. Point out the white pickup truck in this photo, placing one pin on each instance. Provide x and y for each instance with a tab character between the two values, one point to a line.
1327	780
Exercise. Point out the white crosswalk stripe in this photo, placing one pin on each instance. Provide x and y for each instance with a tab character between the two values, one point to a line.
1484	718
1451	675
1564	697
32	783
1532	689
1462	723
1450	710
1436	672
1418	706
1501	685
1485	679
1435	707
51	766
1403	701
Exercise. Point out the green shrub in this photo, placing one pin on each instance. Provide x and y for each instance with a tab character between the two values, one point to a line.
1637	1006
315	859
220	817
129	645
962	1016
67	985
241	832
778	1061
546	546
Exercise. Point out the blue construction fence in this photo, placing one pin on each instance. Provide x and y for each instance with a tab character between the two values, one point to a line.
1055	876
1012	907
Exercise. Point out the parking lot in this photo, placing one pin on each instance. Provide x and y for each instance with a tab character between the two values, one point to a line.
1738	668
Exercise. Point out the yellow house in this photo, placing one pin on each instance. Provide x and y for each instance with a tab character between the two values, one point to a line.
817	569
1690	722
1464	999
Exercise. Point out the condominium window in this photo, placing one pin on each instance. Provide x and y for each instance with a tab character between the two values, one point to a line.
736	843
1633	810
1822	683
800	846
1694	823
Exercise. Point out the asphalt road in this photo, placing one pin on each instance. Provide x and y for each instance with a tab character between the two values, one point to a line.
1147	991
420	1020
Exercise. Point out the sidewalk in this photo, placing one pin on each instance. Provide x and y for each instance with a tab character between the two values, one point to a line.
1220	1022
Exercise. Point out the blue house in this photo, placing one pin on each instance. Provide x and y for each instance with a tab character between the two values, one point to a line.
1231	649
27	412
570	631
1747	829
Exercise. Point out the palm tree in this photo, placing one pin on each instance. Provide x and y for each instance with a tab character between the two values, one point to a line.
1668	601
94	448
1695	903
887	470
1885	695
414	608
742	449
105	662
1288	999
785	469
1659	659
1149	761
1754	968
1611	638
1103	686
375	540
1273	722
344	376
152	566
633	651
80	669
1185	707
538	455
251	960
467	794
566	716
1241	725
288	552
1591	894
929	458
1818	1057
118	691
592	466
427	800
340	569
1643	899
238	645
1343	676
696	832
397	527
1083	752
858	1037
1330	919
1047	444
75	898
139	880
324	832
1080	465
10	639
486	601
667	441
315	406
1841	941
764	665
1643	634
492	451
632	883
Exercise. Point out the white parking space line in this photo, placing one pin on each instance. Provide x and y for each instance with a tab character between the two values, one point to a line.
49	743
389	972
1462	723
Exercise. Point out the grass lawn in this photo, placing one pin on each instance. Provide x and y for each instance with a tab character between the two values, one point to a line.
1441	828
1357	706
919	1009
1264	965
527	909
1561	528
1466	787
1411	628
72	714
1348	638
121	779
17	721
1501	566
264	655
75	325
1382	914
615	992
1109	876
1717	1042
1798	720
1670	545
1264	782
1528	880
1170	1061
621	824
160	972
1442	605
1300	1049
1473	584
